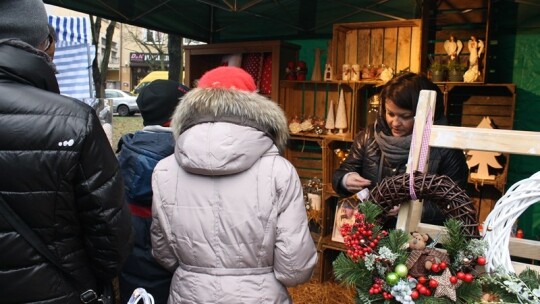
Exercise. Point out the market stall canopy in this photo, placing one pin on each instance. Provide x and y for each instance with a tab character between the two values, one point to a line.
243	20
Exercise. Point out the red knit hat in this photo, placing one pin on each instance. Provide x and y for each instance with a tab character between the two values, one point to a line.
228	77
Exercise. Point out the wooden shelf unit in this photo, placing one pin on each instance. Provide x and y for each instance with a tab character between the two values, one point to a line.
314	155
201	58
396	44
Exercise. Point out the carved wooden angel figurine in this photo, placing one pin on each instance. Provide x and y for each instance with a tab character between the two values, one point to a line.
476	47
453	47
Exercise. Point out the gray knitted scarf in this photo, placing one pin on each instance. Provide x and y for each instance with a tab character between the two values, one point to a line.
394	149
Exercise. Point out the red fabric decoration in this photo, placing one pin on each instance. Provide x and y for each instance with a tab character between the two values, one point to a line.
252	63
228	77
266	75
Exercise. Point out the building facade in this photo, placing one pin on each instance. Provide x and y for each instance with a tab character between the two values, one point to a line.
135	51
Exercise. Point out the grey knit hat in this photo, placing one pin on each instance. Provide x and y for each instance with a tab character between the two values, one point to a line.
25	20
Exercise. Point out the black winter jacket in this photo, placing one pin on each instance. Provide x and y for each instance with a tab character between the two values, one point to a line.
139	154
60	175
365	156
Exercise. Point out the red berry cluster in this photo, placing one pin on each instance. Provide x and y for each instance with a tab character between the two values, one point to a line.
465	274
359	237
424	287
377	288
438	267
466	277
387	295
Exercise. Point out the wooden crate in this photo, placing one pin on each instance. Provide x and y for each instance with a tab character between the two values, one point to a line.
305	99
461	19
332	161
396	44
201	58
468	104
306	157
326	272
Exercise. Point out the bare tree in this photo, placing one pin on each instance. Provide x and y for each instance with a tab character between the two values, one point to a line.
150	42
175	58
99	69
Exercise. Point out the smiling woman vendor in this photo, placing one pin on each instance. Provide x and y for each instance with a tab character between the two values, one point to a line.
382	150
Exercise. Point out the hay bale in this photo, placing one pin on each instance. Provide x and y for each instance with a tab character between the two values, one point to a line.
323	293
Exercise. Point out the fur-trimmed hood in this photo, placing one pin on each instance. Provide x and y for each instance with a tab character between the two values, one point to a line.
223	131
234	106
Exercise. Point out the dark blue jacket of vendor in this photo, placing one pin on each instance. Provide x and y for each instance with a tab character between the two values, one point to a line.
138	155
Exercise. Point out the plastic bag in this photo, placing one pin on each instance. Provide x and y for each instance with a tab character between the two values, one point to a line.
141	294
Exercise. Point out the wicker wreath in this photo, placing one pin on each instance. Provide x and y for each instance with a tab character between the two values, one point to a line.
439	189
505	213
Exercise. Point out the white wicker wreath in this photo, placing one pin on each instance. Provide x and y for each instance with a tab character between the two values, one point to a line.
498	224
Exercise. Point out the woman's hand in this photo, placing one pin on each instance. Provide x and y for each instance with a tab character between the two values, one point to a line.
354	182
394	211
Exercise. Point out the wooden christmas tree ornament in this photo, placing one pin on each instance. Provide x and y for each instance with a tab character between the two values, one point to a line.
330	118
341	115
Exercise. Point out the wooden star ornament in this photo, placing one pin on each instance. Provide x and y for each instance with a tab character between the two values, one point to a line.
445	287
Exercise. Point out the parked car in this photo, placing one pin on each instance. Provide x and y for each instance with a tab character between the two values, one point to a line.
124	103
149	78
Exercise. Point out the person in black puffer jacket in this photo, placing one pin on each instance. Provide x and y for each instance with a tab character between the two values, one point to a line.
59	174
382	149
138	155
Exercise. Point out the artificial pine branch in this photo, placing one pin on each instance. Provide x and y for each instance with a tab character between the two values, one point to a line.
511	288
433	300
531	278
456	240
363	297
396	241
469	292
370	210
350	273
491	285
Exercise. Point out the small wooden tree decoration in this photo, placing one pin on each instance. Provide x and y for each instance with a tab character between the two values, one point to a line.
341	115
483	159
330	117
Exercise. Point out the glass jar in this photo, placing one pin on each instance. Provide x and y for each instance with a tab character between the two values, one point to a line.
373	110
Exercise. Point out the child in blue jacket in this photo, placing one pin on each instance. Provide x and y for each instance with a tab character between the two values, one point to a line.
138	155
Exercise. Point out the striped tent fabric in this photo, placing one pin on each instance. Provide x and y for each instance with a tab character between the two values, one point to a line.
74	55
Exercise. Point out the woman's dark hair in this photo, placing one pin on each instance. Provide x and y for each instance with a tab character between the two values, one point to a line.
404	91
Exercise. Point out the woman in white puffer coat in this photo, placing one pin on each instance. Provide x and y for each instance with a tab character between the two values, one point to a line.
228	210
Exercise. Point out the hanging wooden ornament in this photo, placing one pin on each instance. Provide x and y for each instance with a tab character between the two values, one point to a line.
341	115
483	159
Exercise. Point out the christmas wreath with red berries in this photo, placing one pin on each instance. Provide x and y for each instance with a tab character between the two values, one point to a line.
396	267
